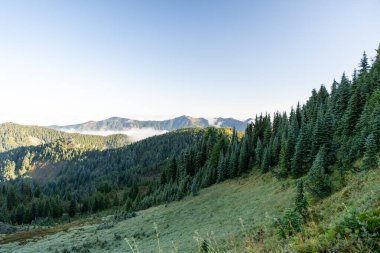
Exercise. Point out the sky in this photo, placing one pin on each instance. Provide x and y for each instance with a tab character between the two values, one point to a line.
64	62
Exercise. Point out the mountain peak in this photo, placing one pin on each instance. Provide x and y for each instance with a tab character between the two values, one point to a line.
123	124
116	118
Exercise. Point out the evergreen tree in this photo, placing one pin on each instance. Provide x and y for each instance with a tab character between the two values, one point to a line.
128	205
354	109
275	148
375	124
163	177
20	212
284	159
33	211
364	66
301	157
116	201
11	199
318	138
318	182
322	135
85	206
233	160
298	116
222	168
195	187
343	97
370	157
259	152
265	166
301	205
172	170
243	157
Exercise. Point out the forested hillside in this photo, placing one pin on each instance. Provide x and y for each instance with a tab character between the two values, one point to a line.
55	174
17	162
14	136
336	132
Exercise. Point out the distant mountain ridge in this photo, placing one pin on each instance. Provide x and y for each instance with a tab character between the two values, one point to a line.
122	124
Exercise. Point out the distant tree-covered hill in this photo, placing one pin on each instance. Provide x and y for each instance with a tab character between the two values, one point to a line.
14	136
18	162
60	172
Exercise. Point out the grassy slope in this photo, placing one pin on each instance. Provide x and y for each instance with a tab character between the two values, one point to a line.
216	209
361	191
258	200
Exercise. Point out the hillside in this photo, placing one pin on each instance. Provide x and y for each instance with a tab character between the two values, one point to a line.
324	147
241	218
14	136
246	199
40	181
123	124
20	162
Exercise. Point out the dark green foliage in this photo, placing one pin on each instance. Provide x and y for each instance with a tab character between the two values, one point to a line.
318	182
258	152
370	160
222	168
128	205
290	223
244	157
284	161
72	208
11	199
375	124
195	187
93	178
301	158
172	171
85	206
293	219
322	135
301	205
360	230
343	96
265	166
204	247
20	213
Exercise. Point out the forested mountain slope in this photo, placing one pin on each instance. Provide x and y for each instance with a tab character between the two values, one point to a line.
18	162
318	146
55	173
14	136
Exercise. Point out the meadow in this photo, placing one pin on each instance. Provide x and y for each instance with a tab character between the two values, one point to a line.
235	216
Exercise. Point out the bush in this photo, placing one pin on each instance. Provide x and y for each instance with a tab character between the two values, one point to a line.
356	232
290	223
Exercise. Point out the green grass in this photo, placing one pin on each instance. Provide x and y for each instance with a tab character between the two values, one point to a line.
214	215
360	193
255	199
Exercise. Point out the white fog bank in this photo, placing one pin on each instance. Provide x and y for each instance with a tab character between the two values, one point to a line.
135	134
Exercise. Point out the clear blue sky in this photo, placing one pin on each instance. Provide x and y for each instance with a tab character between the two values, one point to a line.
71	61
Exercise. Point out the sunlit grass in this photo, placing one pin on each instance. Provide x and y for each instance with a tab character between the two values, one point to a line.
234	216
